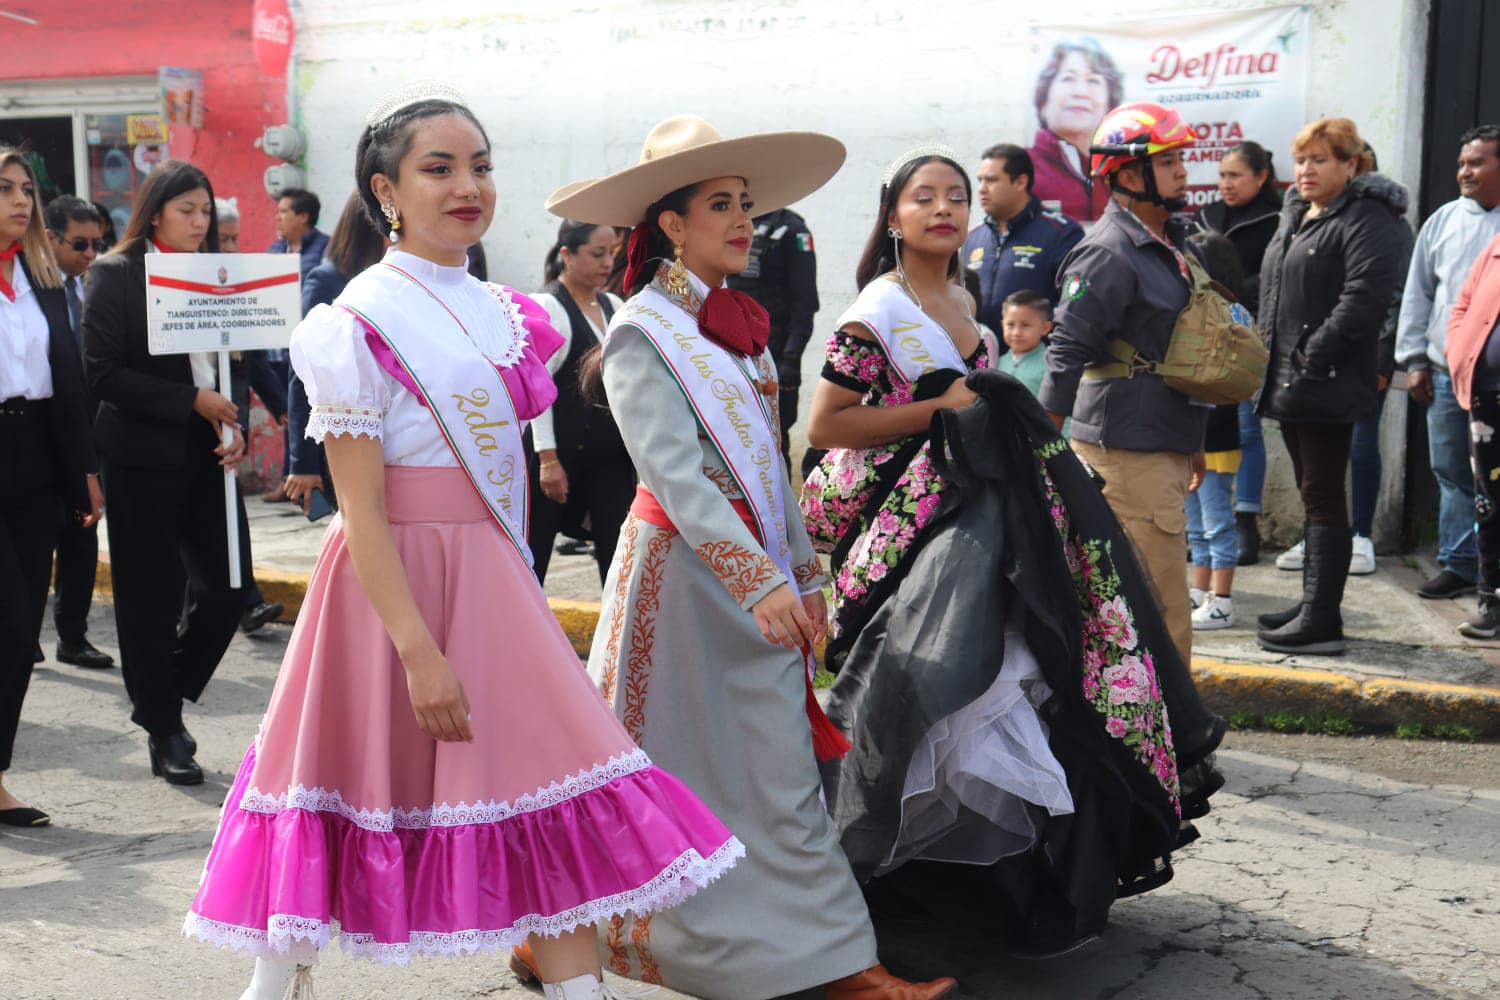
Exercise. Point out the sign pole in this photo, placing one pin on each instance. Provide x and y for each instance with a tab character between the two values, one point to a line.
231	518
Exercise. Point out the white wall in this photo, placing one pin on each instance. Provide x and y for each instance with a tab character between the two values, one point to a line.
569	89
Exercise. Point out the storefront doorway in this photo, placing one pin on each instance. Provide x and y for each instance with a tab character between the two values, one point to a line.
79	136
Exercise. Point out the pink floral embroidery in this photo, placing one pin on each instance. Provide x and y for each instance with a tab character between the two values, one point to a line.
836	495
1119	675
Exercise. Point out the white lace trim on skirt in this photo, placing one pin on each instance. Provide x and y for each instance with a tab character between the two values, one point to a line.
463	814
679	880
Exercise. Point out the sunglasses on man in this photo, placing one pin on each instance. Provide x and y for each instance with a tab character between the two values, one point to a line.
80	244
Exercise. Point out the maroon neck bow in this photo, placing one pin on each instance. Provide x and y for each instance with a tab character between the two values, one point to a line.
735	321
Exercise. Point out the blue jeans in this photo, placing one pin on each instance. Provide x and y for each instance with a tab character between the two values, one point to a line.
1364	470
1251	479
1210	518
1448	451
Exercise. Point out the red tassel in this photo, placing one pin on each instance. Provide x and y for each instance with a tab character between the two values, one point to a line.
636	255
828	742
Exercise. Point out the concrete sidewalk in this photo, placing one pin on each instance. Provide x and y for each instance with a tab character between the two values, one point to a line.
1406	661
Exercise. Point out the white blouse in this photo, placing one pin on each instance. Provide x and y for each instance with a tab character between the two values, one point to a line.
542	434
25	369
350	393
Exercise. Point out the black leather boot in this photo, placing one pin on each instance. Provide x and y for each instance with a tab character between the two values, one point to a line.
1318	627
1247	525
171	759
1276	619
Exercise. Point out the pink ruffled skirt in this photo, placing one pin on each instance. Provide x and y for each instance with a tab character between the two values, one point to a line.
345	817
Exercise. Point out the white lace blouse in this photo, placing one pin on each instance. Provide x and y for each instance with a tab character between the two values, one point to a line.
350	393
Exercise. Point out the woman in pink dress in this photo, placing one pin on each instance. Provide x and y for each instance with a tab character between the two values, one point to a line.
435	773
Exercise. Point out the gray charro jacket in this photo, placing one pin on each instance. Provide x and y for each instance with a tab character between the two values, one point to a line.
1121	281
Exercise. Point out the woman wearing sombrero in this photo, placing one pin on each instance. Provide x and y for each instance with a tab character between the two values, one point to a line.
714	599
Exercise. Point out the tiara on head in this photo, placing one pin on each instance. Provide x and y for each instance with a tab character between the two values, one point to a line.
414	93
917	153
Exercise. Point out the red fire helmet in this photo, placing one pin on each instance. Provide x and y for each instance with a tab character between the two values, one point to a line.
1159	127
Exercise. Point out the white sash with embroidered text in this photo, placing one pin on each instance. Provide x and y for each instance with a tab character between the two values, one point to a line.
464	391
912	341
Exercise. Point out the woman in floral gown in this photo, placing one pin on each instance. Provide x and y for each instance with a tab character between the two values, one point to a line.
1000	655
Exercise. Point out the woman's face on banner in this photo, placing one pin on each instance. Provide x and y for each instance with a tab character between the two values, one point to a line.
1077	98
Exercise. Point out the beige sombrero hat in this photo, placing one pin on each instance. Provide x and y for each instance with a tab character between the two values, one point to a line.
779	168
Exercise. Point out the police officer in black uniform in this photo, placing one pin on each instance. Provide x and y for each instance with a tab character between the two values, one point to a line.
783	277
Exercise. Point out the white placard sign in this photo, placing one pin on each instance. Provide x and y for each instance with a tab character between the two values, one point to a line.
221	301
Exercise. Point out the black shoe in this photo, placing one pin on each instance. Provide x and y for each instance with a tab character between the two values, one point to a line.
1318	628
192	744
24	816
1194	748
1197	784
1446	584
171	759
1485	622
81	653
37	656
1276	619
259	615
1247	525
574	547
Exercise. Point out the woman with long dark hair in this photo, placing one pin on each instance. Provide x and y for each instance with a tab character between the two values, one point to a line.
158	432
46	457
714	599
582	476
353	246
1247	212
1326	286
434	774
999	652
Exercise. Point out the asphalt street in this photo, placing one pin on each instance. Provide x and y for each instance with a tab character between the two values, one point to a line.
1330	868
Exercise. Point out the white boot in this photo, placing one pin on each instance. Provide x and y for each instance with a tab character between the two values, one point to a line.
588	987
279	979
585	987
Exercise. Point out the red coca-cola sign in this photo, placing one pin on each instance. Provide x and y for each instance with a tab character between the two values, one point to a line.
271	35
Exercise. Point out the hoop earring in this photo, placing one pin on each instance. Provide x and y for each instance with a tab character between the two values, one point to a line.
677	275
895	235
394	219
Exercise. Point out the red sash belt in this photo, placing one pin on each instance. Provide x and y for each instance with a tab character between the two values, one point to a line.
828	742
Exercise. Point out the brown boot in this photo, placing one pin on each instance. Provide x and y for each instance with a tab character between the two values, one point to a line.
523	964
875	983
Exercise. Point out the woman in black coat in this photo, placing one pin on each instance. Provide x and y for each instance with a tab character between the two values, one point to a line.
1326	285
45	453
1248	213
158	433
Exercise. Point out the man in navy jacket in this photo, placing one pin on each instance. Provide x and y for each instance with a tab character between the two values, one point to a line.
1020	244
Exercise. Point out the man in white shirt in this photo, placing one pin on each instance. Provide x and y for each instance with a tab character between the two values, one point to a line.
1449	241
77	232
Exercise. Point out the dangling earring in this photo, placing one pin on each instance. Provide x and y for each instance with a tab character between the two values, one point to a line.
389	211
677	275
895	235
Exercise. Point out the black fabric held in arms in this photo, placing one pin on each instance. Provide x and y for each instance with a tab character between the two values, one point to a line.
1119	841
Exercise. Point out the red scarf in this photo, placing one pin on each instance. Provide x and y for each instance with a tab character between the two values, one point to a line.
735	321
9	253
162	247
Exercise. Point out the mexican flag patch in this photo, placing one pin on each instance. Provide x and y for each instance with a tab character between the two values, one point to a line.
1073	287
804	242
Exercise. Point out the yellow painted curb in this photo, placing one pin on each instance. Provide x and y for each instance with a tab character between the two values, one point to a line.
1226	687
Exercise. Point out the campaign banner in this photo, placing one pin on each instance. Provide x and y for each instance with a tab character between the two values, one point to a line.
1232	76
221	301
